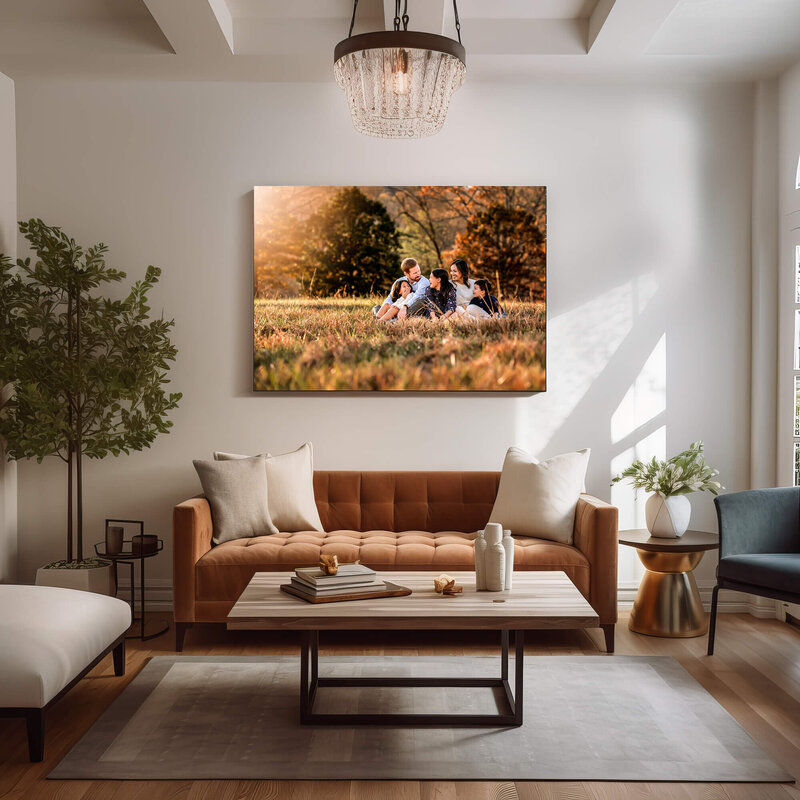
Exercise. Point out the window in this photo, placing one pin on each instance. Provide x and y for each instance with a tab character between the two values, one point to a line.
797	366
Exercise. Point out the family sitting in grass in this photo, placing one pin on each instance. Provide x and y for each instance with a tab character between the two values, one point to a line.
439	296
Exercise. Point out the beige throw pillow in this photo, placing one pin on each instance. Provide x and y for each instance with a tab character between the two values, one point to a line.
290	488
237	494
539	498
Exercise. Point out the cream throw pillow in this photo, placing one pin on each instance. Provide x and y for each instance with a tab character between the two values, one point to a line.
237	494
539	498
290	488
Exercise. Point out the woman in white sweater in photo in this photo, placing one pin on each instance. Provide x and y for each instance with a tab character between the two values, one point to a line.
459	277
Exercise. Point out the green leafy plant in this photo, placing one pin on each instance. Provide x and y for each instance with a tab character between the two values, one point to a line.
682	474
82	374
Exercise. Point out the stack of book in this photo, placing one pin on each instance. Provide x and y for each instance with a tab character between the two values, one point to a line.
350	580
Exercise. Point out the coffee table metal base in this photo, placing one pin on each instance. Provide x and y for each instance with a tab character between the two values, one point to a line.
310	682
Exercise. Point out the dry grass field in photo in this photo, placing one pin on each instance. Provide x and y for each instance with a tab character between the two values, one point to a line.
335	344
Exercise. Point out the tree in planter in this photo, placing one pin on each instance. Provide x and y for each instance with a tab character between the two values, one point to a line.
86	372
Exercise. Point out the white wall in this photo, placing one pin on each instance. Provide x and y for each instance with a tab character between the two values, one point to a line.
648	274
8	245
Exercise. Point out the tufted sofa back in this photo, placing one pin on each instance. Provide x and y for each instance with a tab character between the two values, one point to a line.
405	501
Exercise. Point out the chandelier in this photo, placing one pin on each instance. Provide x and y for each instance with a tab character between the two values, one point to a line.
398	83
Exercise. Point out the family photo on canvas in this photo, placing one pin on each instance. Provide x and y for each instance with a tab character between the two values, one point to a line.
399	288
439	296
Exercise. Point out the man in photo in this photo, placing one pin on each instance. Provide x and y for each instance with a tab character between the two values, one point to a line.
419	283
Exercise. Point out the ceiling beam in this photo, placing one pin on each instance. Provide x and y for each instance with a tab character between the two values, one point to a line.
626	27
194	27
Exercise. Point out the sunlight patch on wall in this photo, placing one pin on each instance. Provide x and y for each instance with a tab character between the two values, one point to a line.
581	343
630	501
646	397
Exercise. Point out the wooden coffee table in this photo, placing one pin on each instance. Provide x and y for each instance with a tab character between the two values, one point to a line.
539	600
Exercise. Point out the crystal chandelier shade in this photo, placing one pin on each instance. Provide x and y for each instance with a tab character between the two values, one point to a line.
398	84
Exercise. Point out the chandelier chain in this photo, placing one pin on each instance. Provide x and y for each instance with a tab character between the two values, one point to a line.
404	19
353	19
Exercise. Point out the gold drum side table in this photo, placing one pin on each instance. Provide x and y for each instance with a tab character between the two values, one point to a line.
668	603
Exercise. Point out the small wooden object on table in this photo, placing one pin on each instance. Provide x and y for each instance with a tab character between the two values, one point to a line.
136	549
668	603
541	600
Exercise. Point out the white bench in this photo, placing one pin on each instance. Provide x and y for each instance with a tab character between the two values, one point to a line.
49	639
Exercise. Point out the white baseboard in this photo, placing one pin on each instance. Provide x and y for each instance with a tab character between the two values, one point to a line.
729	602
158	596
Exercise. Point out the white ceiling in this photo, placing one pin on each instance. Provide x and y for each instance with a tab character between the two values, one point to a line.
293	40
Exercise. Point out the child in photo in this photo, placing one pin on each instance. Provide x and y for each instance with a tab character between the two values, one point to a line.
484	304
402	294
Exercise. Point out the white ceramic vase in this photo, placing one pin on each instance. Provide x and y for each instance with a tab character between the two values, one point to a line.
480	562
495	558
667	517
508	546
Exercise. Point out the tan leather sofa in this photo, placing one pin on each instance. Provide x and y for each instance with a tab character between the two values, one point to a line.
389	521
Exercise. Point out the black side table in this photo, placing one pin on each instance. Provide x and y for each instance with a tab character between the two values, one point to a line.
129	558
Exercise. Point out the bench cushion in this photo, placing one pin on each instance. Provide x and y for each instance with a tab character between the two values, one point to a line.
49	636
779	571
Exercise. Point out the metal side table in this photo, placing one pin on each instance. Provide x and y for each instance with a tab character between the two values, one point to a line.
129	558
668	603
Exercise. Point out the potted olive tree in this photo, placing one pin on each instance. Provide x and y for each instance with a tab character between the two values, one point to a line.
86	373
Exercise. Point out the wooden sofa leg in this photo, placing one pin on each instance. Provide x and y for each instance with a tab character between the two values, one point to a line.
608	632
119	658
180	634
34	719
712	623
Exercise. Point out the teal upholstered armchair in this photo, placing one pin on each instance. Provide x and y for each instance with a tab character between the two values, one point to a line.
759	546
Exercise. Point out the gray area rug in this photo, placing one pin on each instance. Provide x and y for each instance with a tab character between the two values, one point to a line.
622	718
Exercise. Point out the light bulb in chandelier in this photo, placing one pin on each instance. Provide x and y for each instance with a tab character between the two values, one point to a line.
401	80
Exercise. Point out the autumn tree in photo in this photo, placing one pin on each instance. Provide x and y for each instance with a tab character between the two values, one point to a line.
506	245
351	247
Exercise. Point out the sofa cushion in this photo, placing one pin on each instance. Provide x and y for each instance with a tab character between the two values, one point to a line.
237	493
399	501
780	571
290	488
224	571
539	498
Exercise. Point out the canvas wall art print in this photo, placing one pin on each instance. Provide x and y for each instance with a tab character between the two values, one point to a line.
400	288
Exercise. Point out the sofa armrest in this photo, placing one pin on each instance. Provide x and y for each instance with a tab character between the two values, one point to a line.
191	539
597	537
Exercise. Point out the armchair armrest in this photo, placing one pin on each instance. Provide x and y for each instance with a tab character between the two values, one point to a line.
191	539
597	537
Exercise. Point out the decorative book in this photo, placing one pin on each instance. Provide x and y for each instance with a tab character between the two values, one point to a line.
388	590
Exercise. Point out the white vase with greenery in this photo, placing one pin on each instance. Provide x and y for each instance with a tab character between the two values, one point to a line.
668	511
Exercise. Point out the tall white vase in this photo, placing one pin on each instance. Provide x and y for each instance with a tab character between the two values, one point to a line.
495	560
667	517
480	562
508	546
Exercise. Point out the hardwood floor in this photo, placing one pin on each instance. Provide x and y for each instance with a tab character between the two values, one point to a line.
755	675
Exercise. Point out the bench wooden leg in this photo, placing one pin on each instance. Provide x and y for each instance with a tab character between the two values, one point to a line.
119	658
608	632
34	719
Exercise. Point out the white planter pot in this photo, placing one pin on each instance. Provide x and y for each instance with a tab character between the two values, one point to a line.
99	580
667	517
